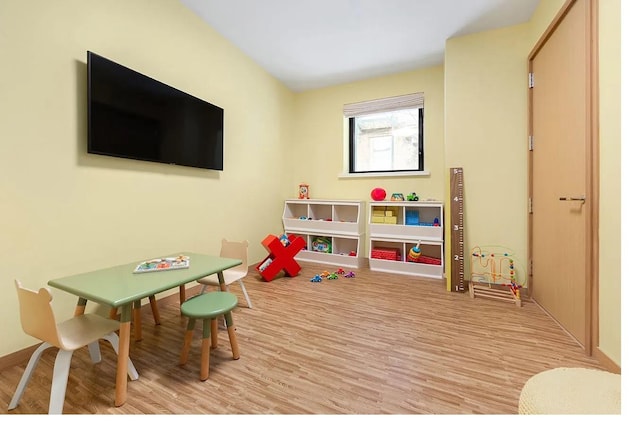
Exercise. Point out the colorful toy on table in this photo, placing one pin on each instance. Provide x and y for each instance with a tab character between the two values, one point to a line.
350	274
316	278
163	264
412	197
414	253
340	271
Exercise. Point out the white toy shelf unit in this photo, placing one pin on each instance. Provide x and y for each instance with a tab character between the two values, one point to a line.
406	237
333	230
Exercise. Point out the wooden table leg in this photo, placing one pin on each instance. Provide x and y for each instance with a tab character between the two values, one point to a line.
154	309
137	321
183	294
80	306
223	285
123	355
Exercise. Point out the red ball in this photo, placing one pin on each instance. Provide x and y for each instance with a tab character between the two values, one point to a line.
378	194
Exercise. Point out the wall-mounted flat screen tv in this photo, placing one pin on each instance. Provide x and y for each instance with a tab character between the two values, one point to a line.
134	116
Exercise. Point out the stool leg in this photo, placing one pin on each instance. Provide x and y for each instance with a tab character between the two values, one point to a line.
231	330
205	349
188	336
154	309
113	313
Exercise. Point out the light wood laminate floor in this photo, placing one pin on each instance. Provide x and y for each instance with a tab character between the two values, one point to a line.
374	344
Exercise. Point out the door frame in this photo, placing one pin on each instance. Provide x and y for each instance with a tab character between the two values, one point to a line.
592	184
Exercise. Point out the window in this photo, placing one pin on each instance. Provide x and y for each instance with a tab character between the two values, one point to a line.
386	135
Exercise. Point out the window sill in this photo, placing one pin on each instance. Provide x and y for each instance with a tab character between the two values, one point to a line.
347	175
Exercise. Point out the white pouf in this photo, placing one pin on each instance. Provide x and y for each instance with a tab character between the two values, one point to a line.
571	391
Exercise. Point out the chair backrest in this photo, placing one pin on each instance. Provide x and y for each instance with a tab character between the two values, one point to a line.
237	250
36	314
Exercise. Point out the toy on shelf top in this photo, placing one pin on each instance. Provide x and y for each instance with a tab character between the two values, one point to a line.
378	194
303	191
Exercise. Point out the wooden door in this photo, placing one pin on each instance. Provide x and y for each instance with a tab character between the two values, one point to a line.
560	171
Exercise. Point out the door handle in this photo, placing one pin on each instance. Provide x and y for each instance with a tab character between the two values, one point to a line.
573	199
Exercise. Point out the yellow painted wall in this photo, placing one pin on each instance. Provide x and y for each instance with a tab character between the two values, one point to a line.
319	135
486	135
610	186
64	211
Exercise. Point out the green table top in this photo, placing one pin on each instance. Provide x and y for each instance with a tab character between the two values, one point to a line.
119	285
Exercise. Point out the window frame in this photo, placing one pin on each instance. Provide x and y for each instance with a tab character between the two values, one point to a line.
380	105
351	161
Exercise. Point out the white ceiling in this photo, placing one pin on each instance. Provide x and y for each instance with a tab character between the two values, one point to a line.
309	44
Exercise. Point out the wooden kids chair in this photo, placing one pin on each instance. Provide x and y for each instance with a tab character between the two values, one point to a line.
236	250
38	320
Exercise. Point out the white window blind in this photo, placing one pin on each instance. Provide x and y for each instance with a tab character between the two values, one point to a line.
402	102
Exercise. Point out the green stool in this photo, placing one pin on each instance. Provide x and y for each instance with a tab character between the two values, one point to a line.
208	307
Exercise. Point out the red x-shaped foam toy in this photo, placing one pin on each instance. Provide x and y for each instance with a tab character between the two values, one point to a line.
280	256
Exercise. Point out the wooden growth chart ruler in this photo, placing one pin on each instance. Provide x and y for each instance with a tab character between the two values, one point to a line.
457	231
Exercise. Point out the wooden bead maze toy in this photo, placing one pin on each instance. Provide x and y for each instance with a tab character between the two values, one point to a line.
493	275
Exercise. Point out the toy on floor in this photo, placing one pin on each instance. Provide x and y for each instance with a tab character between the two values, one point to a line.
332	276
280	257
492	268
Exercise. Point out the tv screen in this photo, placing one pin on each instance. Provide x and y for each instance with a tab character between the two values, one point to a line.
134	116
